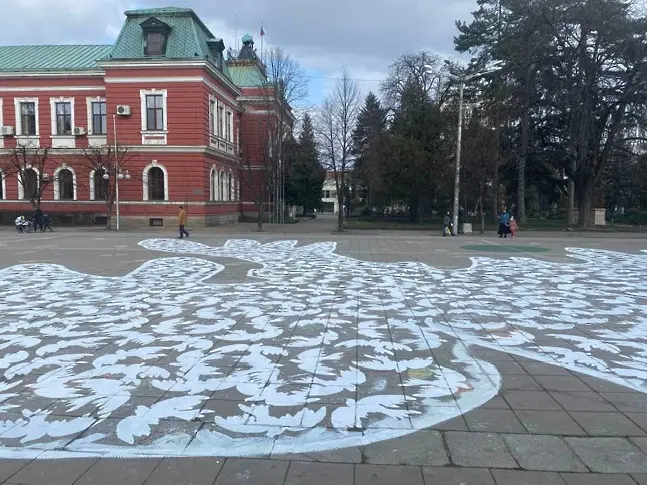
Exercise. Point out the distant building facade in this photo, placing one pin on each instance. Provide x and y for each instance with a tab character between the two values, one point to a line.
166	91
329	202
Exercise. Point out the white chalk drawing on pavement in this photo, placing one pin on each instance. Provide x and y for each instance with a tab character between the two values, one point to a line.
314	351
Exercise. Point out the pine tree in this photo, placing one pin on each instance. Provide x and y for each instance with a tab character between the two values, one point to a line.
371	127
305	175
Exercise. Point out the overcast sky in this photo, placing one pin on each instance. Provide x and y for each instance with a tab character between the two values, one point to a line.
323	35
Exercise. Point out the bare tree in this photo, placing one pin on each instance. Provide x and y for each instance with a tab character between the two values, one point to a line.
424	70
102	161
259	166
286	85
28	165
336	124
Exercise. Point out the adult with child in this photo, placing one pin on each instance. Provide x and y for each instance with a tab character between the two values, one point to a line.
504	224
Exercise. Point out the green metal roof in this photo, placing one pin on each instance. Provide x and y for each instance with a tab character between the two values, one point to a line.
190	38
247	76
51	57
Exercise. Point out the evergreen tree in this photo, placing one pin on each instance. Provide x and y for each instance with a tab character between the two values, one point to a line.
304	175
367	137
561	61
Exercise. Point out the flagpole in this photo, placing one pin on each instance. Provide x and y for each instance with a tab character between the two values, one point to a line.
262	51
236	31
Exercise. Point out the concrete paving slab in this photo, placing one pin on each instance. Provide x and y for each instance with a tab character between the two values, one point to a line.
597	479
543	453
549	422
187	471
239	471
518	477
421	448
388	475
53	472
494	420
607	424
487	450
307	473
108	471
457	476
609	455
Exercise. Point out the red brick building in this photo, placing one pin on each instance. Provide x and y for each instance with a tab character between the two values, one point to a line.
166	91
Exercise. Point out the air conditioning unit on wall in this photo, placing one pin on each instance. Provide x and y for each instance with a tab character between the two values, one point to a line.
79	131
123	110
6	130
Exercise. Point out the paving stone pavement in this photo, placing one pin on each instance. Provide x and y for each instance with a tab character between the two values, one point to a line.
547	425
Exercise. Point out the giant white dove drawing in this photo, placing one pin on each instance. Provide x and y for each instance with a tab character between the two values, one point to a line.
314	351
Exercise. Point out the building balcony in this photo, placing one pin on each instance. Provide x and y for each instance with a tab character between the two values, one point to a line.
228	147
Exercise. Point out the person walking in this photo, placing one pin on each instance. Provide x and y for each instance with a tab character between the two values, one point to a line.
504	221
182	222
38	219
447	224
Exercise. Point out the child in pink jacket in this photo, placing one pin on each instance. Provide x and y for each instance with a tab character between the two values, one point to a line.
513	227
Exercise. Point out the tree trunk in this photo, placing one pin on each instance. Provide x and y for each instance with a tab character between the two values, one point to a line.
110	203
496	193
585	200
481	210
340	214
570	212
259	219
521	168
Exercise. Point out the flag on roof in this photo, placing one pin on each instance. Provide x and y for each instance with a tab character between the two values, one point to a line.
262	31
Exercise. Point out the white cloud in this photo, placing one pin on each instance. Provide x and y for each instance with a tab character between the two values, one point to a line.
363	35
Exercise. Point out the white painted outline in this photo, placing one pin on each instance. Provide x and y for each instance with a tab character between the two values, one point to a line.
283	264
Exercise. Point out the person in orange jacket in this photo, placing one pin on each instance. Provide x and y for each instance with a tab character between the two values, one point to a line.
182	221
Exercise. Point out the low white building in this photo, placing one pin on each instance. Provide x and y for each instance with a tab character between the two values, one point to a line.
329	201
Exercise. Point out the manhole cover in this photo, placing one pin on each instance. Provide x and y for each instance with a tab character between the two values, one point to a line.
501	248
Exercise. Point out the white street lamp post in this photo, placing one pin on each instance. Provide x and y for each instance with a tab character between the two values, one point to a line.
117	170
462	80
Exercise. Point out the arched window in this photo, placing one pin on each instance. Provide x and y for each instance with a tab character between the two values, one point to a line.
29	184
155	182
223	190
100	185
65	184
213	184
2	185
230	187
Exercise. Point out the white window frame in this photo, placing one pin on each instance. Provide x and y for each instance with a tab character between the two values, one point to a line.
91	183
221	186
221	120
229	125
213	113
153	92
213	177
32	141
145	180
61	141
52	105
3	180
21	189
90	127
57	188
